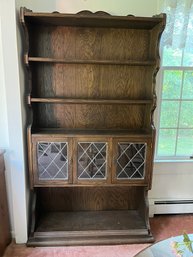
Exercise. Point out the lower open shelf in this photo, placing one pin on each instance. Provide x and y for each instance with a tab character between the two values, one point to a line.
89	216
89	228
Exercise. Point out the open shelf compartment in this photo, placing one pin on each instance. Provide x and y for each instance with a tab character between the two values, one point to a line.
77	220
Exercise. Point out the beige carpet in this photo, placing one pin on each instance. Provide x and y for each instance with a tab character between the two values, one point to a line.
163	226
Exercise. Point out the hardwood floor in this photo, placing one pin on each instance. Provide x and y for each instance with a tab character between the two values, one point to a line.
163	226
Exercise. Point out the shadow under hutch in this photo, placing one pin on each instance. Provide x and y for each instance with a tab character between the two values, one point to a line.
91	95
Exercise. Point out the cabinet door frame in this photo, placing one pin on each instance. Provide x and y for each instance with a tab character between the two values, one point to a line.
51	182
92	139
147	165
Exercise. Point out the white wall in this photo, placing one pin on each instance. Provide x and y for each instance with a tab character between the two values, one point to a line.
121	7
4	140
13	127
14	112
4	137
172	181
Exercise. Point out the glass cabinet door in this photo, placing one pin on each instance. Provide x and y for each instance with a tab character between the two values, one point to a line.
52	162
91	161
130	161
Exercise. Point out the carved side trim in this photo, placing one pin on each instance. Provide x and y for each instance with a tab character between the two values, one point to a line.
26	51
157	67
162	16
23	10
155	74
26	35
28	82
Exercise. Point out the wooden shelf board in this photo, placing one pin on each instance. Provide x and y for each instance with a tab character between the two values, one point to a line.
103	62
48	241
89	101
88	222
92	20
133	182
90	228
94	132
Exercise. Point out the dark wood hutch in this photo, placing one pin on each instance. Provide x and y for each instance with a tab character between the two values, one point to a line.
91	83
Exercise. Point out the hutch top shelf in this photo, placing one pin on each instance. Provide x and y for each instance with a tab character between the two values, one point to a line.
85	18
91	70
88	38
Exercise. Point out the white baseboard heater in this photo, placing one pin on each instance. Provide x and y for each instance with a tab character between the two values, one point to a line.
170	207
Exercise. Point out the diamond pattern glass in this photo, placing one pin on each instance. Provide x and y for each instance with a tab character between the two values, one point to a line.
131	160
52	160
92	160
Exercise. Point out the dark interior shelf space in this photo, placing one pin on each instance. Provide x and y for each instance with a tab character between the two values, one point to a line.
89	101
103	62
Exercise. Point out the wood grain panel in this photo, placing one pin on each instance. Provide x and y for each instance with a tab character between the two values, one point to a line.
53	80
110	117
91	81
122	42
87	81
40	40
92	116
90	198
44	115
104	222
96	43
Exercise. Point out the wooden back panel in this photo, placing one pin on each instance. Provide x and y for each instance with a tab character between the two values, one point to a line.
90	198
84	116
89	43
92	81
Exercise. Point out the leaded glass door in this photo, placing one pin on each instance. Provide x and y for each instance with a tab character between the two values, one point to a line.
92	160
53	161
130	161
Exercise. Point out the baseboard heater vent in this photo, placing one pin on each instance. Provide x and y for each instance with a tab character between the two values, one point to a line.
171	207
174	202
